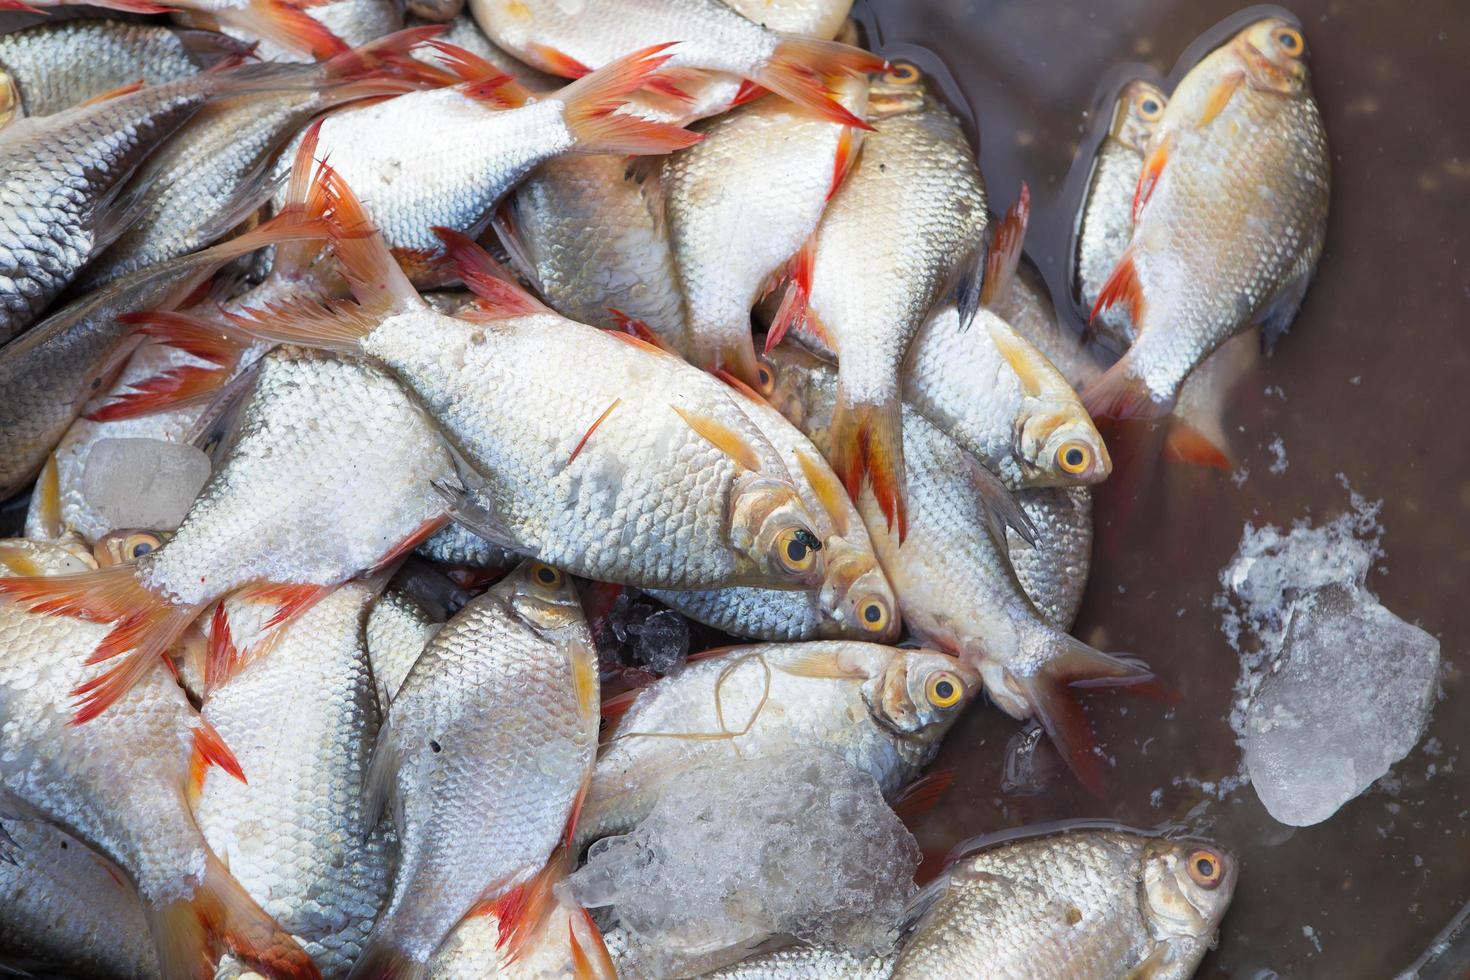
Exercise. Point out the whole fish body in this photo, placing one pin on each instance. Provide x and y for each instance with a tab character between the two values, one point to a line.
64	906
854	602
905	226
995	394
301	721
740	204
882	709
54	66
486	747
956	587
1231	216
328	473
1105	221
1088	903
68	775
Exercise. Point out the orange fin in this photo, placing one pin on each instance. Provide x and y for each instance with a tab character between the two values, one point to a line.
739	385
723	438
590	958
795	301
407	546
116	93
285	24
747	92
498	293
821	665
644	345
479	79
634	327
593	428
180	385
868	438
210	750
1220	97
922	795
590	106
376	279
798	69
666	83
1122	287
828	489
842	162
223	659
48	499
1148	179
1120	394
522	911
190	933
549	59
1005	250
736	356
1186	444
615	707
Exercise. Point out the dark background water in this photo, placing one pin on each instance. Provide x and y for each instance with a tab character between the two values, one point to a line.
1373	380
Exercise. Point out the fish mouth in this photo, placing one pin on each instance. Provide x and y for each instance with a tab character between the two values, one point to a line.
1265	74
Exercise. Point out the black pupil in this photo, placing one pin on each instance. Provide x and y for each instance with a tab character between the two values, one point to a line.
872	614
142	548
1074	457
796	551
765	376
1150	107
944	689
546	575
1287	41
1205	866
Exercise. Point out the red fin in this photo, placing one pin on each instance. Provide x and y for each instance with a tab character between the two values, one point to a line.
922	795
843	161
590	958
748	92
1186	444
1120	394
591	104
593	428
498	292
191	933
1148	179
739	386
797	69
794	302
180	385
223	659
377	281
664	84
210	750
285	24
1005	249
869	439
737	356
478	78
522	911
634	327
635	341
1122	287
116	93
548	59
408	545
615	707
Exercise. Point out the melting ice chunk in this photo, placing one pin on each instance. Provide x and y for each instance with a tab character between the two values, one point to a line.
143	483
740	851
1348	697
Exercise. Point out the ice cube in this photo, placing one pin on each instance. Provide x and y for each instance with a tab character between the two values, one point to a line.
742	850
143	483
1347	696
662	641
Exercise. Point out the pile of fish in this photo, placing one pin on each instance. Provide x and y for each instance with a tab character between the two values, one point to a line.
400	402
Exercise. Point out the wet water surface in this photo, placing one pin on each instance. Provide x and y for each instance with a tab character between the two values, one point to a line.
1368	387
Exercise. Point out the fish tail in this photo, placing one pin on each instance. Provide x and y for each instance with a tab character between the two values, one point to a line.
800	68
179	386
1049	693
382	960
868	438
282	23
1187	444
478	78
794	310
591	103
1121	394
496	291
191	933
144	626
382	67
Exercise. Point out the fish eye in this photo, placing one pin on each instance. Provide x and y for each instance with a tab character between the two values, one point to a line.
767	380
140	543
1205	868
944	690
902	73
1074	457
1149	108
1290	40
874	615
797	549
546	575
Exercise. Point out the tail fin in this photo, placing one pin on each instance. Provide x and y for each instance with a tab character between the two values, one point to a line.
1120	394
1187	444
191	933
478	79
592	103
868	438
281	23
800	67
381	960
187	384
144	626
381	67
1048	692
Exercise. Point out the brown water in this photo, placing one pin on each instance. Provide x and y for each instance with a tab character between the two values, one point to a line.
1372	381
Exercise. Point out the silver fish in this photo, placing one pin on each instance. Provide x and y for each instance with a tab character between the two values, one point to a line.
398	629
1089	903
486	747
1053	568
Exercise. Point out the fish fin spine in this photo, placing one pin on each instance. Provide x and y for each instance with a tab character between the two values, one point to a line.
591	104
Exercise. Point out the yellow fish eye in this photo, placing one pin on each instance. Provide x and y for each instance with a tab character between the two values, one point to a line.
902	73
140	543
1205	868
1074	457
547	576
1149	108
797	548
766	378
944	690
873	615
1290	40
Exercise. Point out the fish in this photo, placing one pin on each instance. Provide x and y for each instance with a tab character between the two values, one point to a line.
808	963
397	630
566	463
1197	431
740	203
905	230
472	149
463	32
1052	568
68	776
1230	215
957	591
216	170
567	944
1105	219
66	172
882	709
1094	903
49	68
333	26
855	601
301	720
709	36
65	905
329	473
481	761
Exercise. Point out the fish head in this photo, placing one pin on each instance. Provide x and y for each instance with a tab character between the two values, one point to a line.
542	597
1272	53
1136	114
790	378
1061	447
1185	887
772	531
922	693
899	90
11	106
856	594
126	544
